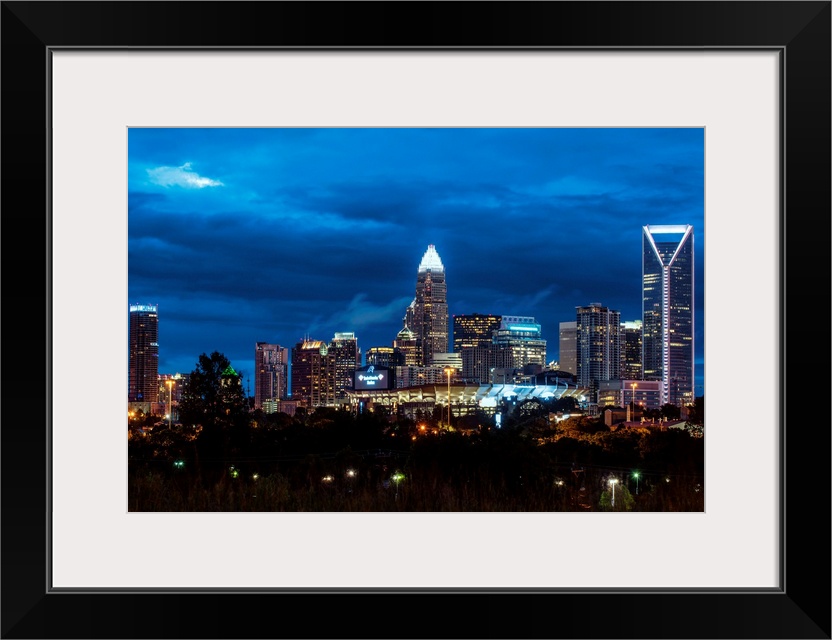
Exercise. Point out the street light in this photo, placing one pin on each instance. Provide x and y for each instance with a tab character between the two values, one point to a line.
397	478
449	371
613	482
170	403
636	476
633	403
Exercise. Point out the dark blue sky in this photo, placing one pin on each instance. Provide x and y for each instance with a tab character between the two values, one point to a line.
244	235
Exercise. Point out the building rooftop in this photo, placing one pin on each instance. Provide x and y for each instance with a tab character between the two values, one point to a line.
431	260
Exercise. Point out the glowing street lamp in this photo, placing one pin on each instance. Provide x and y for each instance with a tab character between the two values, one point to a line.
636	476
170	403
613	482
397	478
449	371
633	403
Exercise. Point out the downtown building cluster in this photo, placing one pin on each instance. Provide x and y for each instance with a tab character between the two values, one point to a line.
647	362
602	359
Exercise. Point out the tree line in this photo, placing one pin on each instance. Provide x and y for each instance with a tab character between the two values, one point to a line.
225	457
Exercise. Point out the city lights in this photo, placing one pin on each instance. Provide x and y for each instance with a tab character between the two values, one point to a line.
462	348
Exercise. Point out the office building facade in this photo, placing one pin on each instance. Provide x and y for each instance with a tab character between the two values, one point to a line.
474	330
347	358
313	374
473	338
518	342
568	347
427	316
143	358
271	367
667	310
631	350
383	356
407	348
598	346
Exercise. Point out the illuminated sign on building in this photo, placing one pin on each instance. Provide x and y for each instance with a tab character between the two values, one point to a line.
373	377
152	308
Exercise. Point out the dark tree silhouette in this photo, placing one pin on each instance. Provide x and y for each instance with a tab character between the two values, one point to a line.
214	399
670	411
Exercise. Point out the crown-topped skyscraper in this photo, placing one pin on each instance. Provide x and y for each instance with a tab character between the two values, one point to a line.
667	310
427	316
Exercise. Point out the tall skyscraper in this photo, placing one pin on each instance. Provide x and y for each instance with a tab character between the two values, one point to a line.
384	357
568	347
143	378
473	336
430	307
271	365
313	373
406	347
599	346
347	358
667	310
518	342
474	330
631	350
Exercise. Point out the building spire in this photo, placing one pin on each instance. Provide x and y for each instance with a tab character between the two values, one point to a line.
431	260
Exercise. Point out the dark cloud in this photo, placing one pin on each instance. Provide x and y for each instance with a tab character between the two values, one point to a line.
317	231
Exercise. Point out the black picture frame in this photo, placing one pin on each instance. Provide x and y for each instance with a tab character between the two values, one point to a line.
799	31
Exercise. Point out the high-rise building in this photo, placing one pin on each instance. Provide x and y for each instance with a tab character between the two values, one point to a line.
568	347
631	350
474	330
477	364
383	357
448	361
599	346
143	378
271	366
347	358
517	343
313	373
667	310
406	347
409	376
430	307
473	336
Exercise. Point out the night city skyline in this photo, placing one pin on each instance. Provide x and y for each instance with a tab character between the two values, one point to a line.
272	235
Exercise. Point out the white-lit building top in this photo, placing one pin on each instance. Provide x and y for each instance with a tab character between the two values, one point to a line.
431	260
147	308
519	324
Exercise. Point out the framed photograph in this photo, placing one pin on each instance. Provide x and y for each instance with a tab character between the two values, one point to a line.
88	86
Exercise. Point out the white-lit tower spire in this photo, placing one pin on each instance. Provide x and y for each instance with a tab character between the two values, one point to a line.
430	307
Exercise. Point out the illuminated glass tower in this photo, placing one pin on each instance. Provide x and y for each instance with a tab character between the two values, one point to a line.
631	350
598	345
347	357
313	373
518	342
474	330
143	384
430	307
667	310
